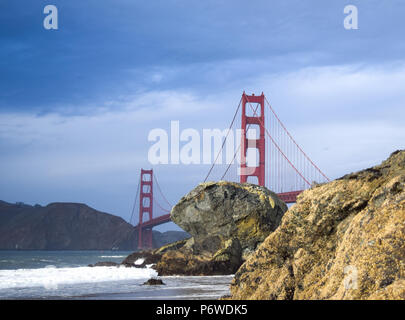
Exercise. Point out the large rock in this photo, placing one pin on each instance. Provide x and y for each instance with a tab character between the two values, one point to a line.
215	212
227	221
342	240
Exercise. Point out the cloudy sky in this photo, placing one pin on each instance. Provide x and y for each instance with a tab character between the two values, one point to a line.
77	103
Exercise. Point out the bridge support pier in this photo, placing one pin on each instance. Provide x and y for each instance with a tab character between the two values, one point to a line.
147	239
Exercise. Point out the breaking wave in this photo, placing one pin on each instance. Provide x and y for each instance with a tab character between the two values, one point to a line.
51	277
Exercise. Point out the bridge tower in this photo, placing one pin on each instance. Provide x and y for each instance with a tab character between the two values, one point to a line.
247	143
145	207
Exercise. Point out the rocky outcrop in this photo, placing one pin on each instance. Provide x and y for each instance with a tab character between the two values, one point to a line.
227	221
341	240
186	262
69	226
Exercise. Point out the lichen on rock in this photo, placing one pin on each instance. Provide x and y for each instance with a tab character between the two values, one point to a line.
341	240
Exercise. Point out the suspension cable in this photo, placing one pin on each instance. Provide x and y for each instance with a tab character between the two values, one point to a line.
160	207
136	198
160	190
288	133
223	143
236	152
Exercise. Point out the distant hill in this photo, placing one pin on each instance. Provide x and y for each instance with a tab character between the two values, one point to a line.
69	226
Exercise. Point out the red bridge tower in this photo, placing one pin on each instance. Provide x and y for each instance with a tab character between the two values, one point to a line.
145	206
247	143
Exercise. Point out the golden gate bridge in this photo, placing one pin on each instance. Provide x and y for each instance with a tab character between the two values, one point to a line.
280	164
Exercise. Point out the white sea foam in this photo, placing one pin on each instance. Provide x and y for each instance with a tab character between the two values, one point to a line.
139	261
51	277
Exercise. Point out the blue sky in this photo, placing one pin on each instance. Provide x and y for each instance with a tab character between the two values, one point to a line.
77	104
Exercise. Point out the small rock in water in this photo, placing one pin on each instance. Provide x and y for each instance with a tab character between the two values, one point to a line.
154	282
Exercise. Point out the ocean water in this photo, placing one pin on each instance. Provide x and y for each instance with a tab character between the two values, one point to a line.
66	275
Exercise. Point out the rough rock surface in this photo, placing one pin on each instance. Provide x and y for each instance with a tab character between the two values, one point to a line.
342	240
227	221
215	212
185	262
